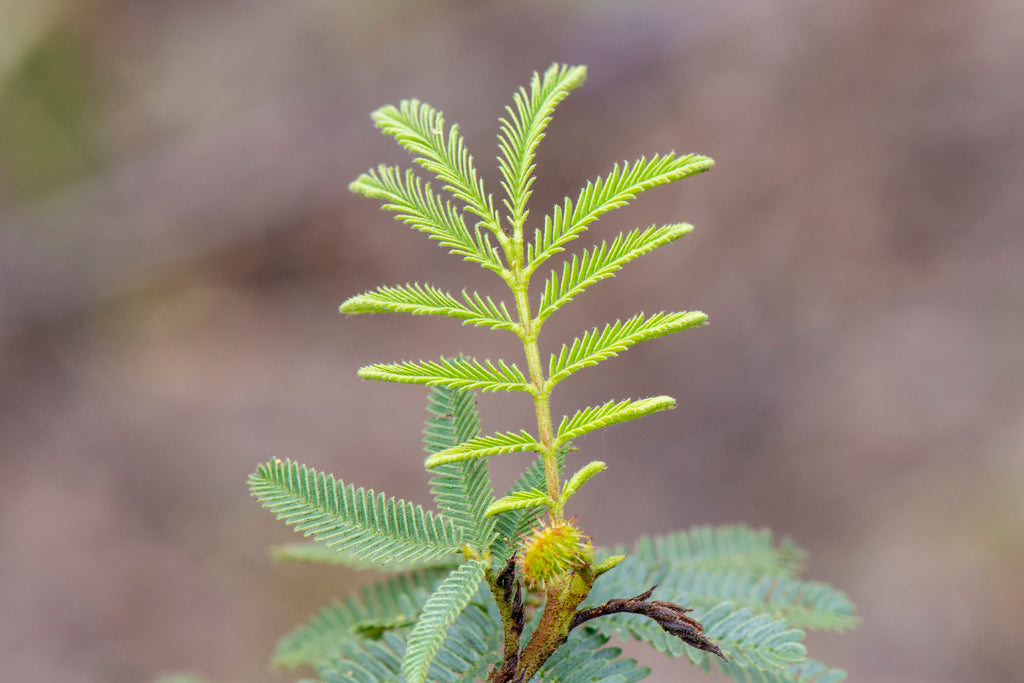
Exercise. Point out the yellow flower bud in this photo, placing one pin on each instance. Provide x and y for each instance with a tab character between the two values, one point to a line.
552	551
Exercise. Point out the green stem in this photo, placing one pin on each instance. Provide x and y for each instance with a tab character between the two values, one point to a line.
540	390
555	623
506	594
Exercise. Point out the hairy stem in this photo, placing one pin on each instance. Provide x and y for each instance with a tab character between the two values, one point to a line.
541	390
509	596
555	622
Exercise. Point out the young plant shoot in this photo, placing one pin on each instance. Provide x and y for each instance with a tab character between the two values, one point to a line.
506	587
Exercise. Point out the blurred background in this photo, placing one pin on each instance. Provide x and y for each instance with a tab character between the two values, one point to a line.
176	235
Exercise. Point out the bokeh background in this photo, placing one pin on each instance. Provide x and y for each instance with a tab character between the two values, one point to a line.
177	234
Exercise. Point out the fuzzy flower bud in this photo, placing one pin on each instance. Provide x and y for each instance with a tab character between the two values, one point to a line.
551	551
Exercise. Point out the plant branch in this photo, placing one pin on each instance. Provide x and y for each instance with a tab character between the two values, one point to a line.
509	595
669	616
555	623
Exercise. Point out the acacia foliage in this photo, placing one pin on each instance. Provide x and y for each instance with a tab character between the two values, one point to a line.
435	619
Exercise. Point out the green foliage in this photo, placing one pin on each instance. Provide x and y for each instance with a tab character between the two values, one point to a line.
459	373
321	553
594	347
322	638
743	588
523	130
515	522
804	604
462	490
584	659
366	524
439	612
602	262
728	547
596	417
464	657
484	446
426	300
456	611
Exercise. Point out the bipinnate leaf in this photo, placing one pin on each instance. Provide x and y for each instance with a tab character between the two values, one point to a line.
754	640
439	612
523	129
485	446
606	193
323	636
453	419
807	671
366	524
737	580
747	638
418	299
595	346
596	417
471	648
725	548
462	490
803	604
603	261
519	500
457	373
583	659
417	205
320	553
420	129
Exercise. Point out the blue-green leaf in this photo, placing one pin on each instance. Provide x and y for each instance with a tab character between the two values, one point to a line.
366	524
439	612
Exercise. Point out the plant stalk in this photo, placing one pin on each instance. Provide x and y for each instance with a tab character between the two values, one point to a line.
541	390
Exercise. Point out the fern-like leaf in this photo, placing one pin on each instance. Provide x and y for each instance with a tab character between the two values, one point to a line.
465	656
439	612
418	299
486	446
453	419
461	490
320	639
420	129
519	500
512	524
416	204
602	262
581	477
732	547
366	524
751	640
747	638
596	417
320	553
607	193
583	659
807	671
459	373
523	130
594	347
803	604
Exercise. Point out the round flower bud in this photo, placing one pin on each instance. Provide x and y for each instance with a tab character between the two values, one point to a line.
551	551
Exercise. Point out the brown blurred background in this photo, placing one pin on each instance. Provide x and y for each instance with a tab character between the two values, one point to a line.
177	234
